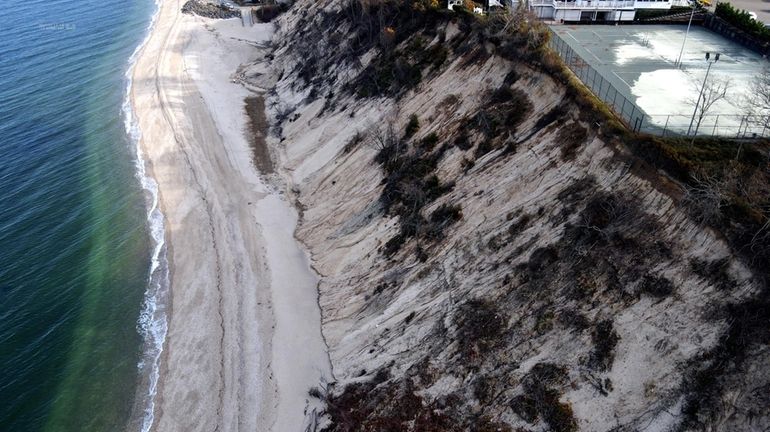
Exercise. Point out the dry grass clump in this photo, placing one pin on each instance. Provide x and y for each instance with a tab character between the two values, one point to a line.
410	184
499	118
541	398
605	339
479	326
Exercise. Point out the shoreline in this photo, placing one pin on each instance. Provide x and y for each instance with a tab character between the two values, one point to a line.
244	342
153	320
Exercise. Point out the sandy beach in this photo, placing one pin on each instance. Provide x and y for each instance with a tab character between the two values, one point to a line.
244	343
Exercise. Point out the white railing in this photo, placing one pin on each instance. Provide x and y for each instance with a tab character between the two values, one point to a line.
584	4
652	5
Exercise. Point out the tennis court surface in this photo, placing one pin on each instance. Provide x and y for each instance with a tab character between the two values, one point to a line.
640	62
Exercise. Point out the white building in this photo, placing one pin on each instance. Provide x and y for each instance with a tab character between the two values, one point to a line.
594	10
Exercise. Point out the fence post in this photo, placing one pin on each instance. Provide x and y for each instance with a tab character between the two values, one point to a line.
714	131
745	128
665	128
623	109
601	86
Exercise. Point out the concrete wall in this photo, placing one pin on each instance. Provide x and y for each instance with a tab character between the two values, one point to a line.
544	12
624	15
567	14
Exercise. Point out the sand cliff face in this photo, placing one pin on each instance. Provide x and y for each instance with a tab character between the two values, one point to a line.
497	264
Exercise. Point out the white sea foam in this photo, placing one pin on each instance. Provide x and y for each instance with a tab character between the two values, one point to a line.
152	323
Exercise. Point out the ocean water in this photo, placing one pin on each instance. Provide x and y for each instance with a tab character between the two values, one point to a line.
81	258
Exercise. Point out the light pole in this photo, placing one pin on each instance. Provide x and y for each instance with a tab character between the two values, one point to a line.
703	87
681	51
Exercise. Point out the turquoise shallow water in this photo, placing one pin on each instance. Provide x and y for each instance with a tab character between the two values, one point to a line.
75	246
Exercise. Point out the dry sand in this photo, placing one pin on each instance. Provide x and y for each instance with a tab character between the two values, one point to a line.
244	343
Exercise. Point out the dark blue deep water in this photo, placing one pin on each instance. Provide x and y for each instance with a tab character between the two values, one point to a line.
75	247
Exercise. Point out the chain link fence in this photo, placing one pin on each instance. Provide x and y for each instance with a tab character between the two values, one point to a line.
727	125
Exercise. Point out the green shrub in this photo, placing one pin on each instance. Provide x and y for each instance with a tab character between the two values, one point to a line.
742	20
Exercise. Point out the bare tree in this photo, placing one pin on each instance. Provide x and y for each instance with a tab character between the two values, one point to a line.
383	137
712	92
506	21
387	142
757	102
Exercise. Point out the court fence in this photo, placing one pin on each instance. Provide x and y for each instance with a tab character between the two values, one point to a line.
725	125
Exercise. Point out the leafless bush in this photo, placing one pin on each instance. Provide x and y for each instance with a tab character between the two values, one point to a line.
757	100
571	137
656	286
542	397
282	113
604	214
703	199
480	324
386	141
605	339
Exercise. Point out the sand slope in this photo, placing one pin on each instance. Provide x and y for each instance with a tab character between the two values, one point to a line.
244	342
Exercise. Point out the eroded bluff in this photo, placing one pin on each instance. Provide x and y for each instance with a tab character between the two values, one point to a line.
495	251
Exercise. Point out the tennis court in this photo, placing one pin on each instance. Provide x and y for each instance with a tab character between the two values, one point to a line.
640	62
